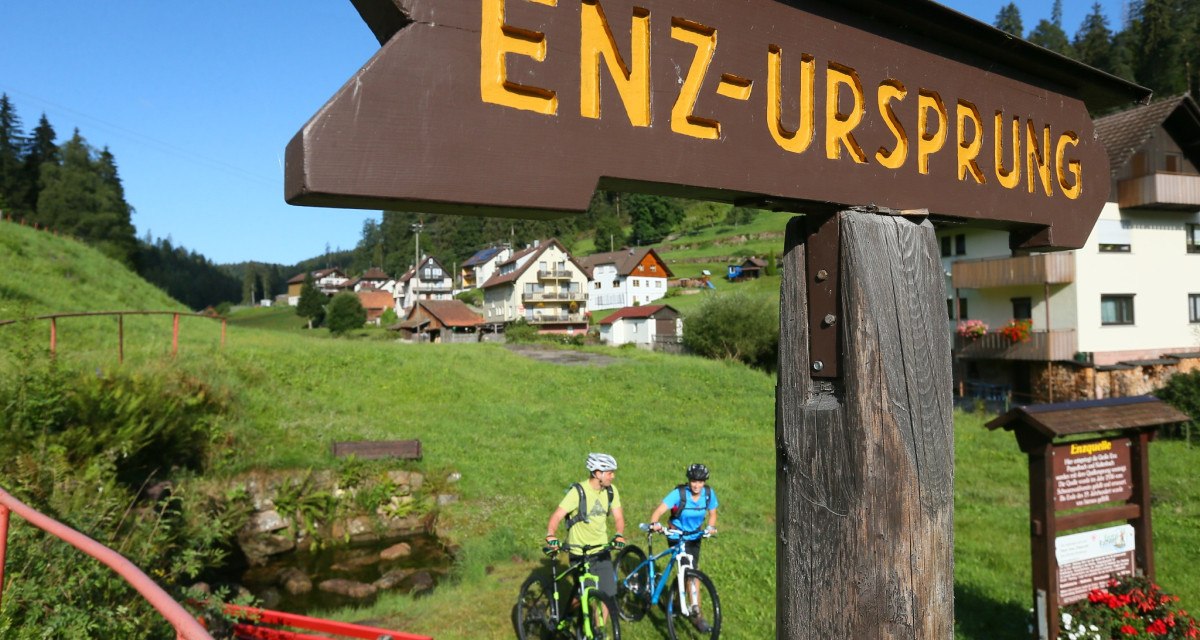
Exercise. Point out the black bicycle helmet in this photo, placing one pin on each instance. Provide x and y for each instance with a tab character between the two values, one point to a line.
697	472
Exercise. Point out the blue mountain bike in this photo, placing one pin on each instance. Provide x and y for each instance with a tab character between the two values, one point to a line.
692	606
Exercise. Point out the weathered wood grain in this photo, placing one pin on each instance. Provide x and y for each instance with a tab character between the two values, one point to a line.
865	463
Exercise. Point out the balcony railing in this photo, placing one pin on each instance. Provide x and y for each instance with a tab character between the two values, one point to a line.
1161	190
554	296
554	274
1041	346
1045	268
555	318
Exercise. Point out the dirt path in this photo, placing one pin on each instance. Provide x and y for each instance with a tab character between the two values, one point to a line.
561	356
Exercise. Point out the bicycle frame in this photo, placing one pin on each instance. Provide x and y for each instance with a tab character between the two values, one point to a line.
680	559
587	582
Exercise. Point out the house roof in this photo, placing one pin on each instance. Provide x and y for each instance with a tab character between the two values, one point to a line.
1089	416
644	311
451	313
1125	132
533	253
754	263
375	299
374	273
482	256
626	260
318	274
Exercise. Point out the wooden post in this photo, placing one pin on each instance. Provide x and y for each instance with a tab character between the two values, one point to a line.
1140	468
865	462
120	339
1043	531
223	321
175	336
53	336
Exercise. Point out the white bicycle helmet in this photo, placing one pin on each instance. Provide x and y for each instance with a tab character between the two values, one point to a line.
601	462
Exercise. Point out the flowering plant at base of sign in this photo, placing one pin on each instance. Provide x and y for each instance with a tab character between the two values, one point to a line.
971	329
1017	330
1127	607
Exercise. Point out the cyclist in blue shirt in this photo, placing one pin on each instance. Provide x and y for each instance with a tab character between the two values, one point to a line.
690	505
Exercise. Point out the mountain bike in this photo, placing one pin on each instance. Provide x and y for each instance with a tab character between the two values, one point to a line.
542	615
693	608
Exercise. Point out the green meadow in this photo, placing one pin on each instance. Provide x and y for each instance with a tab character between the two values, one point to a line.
518	431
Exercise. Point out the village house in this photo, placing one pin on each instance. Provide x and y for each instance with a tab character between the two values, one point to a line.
480	267
429	281
375	302
625	278
327	281
373	278
749	268
440	321
541	284
1115	318
647	326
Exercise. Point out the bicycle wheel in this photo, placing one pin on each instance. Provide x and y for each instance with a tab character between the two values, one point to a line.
603	627
535	617
701	618
633	589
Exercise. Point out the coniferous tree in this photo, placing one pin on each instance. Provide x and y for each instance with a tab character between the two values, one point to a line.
652	217
311	305
42	149
12	142
1093	41
1050	34
1160	63
1008	20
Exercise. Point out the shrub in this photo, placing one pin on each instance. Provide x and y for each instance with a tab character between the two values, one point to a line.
345	313
1182	391
520	331
735	327
471	297
388	318
1127	607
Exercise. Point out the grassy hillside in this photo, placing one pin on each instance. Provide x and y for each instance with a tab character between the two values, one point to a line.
518	431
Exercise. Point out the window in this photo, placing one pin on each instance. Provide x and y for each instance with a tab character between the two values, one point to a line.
962	307
960	244
1193	238
1022	308
1116	309
641	267
616	282
1194	307
946	247
1174	162
653	268
637	283
1112	236
596	284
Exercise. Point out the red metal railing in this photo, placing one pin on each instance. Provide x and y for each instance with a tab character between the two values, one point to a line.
186	627
53	318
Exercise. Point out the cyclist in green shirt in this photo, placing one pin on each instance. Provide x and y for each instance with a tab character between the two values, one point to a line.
589	526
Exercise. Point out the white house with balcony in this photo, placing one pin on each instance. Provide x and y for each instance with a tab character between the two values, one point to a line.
429	281
542	284
481	266
625	278
1114	318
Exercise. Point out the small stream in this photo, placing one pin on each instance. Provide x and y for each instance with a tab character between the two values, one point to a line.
417	571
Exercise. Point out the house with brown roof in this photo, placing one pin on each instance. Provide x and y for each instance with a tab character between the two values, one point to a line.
429	281
327	281
749	268
375	302
542	284
1114	318
440	321
645	326
625	278
373	278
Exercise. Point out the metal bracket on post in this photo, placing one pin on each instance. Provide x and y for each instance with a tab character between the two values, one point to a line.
823	259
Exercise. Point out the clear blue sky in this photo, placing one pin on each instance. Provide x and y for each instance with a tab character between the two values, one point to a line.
197	101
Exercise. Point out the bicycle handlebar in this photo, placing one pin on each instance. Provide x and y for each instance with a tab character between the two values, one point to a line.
675	533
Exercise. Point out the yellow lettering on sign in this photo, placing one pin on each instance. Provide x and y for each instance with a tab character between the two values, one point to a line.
968	150
795	141
1008	178
929	142
839	127
1073	189
632	80
1038	155
890	90
705	40
733	86
496	41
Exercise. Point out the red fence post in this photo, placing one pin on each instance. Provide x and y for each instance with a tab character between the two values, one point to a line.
222	333
3	546
175	336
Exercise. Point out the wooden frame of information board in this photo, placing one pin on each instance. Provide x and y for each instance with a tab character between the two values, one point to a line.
1089	464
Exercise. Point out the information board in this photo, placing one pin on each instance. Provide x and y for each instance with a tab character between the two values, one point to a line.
1086	560
1093	472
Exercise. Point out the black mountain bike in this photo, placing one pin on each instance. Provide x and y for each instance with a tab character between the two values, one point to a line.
542	615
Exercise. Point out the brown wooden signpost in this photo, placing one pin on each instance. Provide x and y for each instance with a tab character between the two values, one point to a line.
1078	479
867	115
